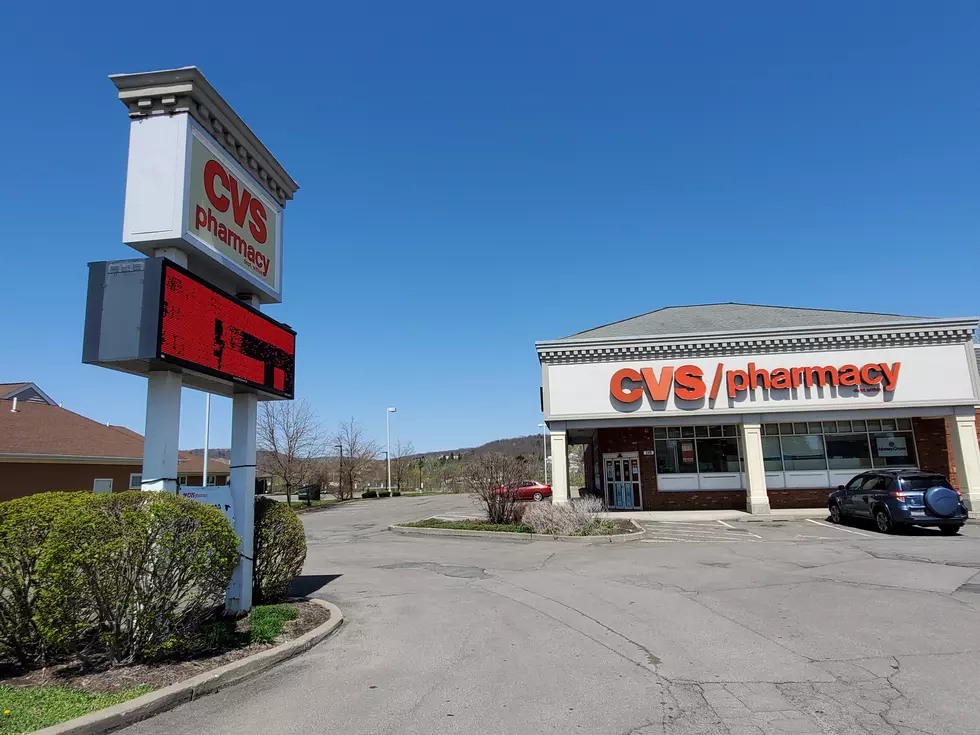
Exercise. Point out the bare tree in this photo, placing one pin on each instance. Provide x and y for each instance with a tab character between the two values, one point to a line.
402	460
290	438
357	454
492	479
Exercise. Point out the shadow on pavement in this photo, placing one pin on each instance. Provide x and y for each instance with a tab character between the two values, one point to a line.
306	584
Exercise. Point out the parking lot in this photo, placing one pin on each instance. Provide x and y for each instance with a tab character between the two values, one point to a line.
737	628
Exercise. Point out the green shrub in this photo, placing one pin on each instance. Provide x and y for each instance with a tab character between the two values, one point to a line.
267	621
280	550
395	493
369	494
140	571
384	494
26	527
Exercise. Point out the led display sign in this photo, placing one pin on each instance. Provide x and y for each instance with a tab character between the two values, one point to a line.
204	329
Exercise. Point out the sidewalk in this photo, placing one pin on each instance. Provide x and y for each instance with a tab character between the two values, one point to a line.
663	516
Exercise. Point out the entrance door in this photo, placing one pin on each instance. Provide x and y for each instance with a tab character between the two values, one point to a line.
622	480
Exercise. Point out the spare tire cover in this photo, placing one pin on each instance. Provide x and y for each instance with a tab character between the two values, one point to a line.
941	501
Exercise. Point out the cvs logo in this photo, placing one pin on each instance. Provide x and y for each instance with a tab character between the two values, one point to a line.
627	384
219	184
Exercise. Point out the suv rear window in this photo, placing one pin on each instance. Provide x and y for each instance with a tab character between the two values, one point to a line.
924	483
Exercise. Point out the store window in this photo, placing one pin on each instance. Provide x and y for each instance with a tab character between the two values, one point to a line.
697	449
718	455
804	452
838	445
675	456
848	451
893	448
772	455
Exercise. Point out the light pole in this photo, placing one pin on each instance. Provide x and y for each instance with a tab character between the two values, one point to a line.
544	451
340	472
421	462
391	410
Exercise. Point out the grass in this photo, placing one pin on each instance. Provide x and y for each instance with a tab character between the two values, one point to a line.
267	621
469	525
25	709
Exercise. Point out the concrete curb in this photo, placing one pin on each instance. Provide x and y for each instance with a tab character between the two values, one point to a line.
619	538
154	703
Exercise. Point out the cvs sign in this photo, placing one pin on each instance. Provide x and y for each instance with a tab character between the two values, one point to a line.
231	215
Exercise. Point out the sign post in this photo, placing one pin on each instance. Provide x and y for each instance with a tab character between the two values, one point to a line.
205	200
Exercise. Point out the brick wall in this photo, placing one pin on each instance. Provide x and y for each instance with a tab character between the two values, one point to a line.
800	497
22	478
933	447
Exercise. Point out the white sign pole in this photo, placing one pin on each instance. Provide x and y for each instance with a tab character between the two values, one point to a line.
162	432
244	413
244	420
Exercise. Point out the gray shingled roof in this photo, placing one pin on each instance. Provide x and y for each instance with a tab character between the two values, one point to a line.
732	317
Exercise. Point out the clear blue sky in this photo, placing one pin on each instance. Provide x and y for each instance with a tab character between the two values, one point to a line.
476	178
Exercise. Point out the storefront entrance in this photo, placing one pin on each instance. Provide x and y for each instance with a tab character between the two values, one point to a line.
623	480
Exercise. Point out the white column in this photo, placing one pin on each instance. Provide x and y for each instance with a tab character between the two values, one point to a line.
966	453
756	496
244	412
559	466
162	432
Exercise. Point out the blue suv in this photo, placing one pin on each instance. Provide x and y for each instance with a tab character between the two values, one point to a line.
893	498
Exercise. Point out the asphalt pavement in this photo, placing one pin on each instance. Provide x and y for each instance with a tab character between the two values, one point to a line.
793	626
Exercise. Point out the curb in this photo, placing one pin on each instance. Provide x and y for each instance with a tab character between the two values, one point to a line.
618	538
162	700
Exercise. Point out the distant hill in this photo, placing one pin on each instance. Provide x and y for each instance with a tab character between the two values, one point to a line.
523	446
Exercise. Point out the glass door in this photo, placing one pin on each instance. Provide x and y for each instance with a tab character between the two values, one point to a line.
622	481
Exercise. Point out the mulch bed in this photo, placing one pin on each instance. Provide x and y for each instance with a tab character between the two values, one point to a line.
162	673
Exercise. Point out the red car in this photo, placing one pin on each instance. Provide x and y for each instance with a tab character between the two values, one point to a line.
526	490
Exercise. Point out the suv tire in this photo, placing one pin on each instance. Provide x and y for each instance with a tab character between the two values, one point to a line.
883	521
950	530
835	513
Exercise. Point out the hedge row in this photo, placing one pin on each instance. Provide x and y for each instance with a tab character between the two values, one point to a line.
121	577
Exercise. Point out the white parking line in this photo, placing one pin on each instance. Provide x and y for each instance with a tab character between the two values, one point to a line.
838	528
727	525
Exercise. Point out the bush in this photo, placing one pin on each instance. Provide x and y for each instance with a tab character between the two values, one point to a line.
138	571
369	494
564	519
384	494
280	550
395	493
26	525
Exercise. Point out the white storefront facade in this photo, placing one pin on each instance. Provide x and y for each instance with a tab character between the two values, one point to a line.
754	407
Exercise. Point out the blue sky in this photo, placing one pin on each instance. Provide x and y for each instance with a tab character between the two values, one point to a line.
476	178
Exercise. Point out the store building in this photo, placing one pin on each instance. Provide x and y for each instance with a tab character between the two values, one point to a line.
757	407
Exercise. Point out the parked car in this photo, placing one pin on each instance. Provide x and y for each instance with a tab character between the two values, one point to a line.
895	498
526	490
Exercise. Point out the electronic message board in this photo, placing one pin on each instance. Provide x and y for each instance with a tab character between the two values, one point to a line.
204	329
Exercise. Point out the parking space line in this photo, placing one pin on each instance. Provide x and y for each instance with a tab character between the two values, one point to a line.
838	528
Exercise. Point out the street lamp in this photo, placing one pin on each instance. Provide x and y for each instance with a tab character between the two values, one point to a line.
340	472
391	410
544	451
421	462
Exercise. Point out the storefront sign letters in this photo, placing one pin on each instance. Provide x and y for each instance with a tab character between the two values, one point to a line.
688	381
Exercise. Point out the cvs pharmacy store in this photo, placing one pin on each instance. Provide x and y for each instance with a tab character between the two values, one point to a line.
758	407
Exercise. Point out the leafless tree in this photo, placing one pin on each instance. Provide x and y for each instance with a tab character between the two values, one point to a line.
357	454
402	460
290	438
490	478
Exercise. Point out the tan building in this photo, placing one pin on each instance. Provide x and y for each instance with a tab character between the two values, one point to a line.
45	447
